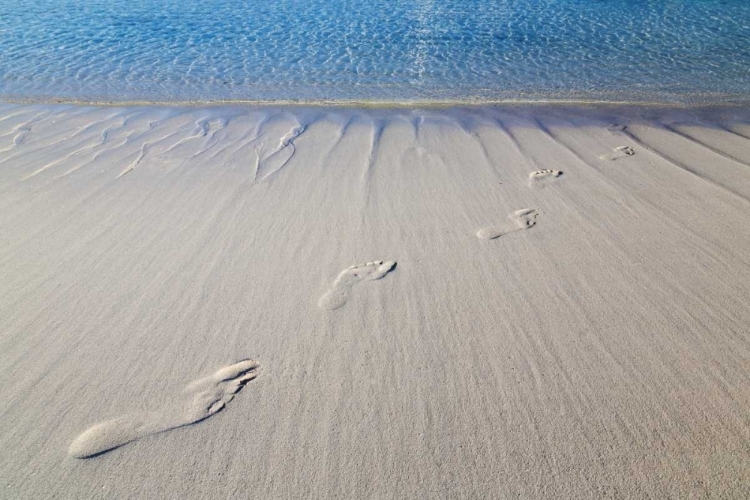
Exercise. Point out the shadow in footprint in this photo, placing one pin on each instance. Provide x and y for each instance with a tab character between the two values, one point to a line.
339	293
199	400
520	219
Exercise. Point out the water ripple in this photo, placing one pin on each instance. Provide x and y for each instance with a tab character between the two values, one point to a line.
374	49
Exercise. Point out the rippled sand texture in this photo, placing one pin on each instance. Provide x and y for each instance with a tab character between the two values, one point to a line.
157	50
591	343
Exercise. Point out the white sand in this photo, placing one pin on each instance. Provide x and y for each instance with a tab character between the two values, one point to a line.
598	346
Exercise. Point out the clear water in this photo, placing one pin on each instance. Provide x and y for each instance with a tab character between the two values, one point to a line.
207	50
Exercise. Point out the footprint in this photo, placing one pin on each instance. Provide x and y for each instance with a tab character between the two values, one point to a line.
544	175
198	401
615	129
341	289
520	219
618	152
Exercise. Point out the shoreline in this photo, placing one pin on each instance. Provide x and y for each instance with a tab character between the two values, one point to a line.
697	103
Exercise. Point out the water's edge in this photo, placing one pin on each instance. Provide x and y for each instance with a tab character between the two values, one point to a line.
683	101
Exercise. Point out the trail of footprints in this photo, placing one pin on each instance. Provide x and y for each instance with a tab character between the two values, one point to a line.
207	396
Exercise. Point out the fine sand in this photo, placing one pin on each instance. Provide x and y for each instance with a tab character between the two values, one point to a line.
493	302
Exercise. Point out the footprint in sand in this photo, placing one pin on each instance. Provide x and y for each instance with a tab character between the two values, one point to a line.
342	287
198	401
543	176
615	129
618	152
520	219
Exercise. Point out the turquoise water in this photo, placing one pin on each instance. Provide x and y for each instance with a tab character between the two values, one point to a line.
160	50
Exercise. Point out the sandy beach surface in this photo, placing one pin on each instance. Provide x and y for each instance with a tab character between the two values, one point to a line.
528	301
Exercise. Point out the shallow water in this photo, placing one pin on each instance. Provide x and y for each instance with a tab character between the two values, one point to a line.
161	50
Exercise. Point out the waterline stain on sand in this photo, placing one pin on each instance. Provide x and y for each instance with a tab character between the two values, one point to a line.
198	401
340	292
270	157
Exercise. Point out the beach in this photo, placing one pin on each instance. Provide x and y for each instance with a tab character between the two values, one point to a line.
547	301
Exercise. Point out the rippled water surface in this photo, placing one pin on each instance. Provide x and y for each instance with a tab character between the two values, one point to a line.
166	50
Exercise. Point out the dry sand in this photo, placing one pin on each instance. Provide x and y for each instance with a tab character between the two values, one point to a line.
547	302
